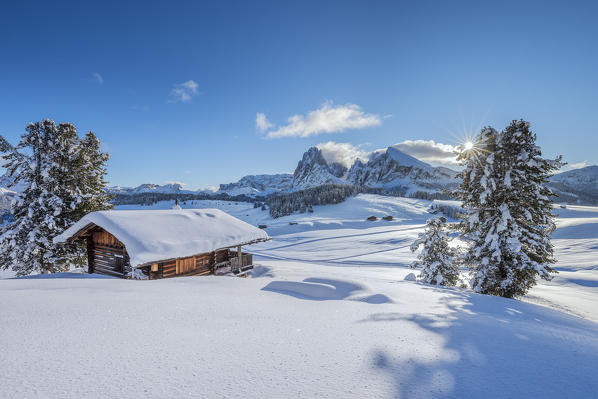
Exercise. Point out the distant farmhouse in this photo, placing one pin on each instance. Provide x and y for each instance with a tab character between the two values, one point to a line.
164	243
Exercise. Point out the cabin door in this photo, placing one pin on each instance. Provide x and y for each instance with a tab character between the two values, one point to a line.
119	263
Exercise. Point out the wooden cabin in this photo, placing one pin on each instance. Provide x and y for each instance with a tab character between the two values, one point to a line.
164	243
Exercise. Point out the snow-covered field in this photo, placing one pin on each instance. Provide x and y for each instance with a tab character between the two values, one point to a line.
326	314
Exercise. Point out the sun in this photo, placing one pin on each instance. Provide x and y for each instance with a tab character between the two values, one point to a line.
468	145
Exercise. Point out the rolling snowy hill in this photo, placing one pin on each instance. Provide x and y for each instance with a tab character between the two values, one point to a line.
577	185
343	229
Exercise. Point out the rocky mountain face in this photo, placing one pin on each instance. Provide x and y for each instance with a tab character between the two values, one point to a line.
389	169
313	170
393	168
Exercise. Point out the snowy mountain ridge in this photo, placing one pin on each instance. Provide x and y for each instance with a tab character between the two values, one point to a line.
6	198
259	184
169	188
389	169
577	185
385	169
584	178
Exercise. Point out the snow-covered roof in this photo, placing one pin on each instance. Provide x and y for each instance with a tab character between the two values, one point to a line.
154	235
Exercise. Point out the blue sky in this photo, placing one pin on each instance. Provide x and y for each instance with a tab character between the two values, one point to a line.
173	89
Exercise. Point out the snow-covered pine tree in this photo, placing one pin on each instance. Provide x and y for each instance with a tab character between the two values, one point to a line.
437	258
63	177
89	171
508	218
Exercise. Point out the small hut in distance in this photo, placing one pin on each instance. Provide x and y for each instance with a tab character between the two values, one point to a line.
165	243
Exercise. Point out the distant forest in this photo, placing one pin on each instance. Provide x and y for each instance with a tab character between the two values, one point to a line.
152	198
280	204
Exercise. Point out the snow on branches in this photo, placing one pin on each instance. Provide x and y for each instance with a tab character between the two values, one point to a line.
63	179
508	218
437	258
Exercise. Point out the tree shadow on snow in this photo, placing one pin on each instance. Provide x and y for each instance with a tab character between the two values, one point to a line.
261	271
490	347
320	289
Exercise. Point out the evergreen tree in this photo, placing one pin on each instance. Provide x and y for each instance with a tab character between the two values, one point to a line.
508	218
437	258
64	179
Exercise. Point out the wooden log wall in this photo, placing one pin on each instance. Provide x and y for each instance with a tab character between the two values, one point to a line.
102	237
198	265
107	255
168	269
110	260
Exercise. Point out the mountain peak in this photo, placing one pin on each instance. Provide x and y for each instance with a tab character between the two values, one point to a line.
404	159
313	170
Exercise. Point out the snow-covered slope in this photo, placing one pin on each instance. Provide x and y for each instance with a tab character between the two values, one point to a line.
338	235
327	314
577	185
579	178
6	198
259	185
170	188
7	182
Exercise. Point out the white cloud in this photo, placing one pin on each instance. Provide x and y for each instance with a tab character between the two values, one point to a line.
577	165
262	123
429	151
327	119
342	153
183	92
98	78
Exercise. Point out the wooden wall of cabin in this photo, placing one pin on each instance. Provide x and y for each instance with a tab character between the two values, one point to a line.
197	265
107	255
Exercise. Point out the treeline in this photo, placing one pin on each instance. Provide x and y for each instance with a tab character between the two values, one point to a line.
303	200
152	198
430	195
401	191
